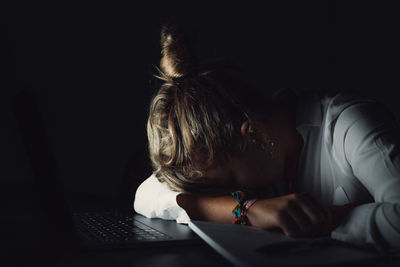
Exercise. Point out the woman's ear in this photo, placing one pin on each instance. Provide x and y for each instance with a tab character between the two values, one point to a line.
244	129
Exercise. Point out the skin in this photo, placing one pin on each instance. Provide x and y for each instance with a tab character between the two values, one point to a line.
255	169
296	214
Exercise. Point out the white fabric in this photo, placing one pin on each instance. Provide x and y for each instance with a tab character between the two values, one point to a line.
155	200
351	153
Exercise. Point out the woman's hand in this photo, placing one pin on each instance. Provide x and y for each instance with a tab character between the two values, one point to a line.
295	214
337	214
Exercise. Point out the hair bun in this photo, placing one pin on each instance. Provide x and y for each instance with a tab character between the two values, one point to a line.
177	49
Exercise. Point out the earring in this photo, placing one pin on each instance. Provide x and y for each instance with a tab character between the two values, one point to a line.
268	146
272	148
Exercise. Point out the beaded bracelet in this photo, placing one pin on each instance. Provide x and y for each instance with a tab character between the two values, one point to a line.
241	208
237	210
246	206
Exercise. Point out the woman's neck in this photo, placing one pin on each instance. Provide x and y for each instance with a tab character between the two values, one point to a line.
283	124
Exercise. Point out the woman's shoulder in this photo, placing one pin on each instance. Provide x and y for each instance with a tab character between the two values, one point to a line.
318	108
353	117
349	106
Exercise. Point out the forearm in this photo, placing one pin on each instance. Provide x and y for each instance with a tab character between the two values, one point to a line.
372	223
207	208
294	214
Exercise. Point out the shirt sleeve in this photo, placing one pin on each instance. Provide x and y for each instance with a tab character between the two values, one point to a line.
371	146
155	200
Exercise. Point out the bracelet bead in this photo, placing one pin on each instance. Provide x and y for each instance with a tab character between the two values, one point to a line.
241	208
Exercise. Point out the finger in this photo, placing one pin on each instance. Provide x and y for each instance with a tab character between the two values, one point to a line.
288	225
313	210
314	218
310	198
302	220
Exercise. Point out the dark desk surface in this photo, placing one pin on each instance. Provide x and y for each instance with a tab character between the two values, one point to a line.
24	246
193	255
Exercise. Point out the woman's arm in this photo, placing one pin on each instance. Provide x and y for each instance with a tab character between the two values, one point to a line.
207	208
370	140
296	214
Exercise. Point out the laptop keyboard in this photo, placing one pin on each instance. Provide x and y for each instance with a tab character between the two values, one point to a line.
112	227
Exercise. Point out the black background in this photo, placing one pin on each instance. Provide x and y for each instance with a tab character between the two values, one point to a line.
90	64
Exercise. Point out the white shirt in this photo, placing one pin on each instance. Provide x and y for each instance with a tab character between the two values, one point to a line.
351	153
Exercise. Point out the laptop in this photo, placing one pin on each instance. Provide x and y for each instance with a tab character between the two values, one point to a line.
244	245
88	229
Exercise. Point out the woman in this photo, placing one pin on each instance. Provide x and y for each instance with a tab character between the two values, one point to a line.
209	134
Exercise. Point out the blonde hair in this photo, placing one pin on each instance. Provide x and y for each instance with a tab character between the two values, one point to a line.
195	116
